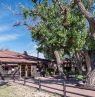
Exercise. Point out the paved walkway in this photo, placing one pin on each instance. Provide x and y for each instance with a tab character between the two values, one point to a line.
55	86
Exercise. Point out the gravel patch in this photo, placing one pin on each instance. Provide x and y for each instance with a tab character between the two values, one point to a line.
17	90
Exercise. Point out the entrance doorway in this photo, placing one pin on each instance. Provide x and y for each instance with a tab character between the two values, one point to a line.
25	71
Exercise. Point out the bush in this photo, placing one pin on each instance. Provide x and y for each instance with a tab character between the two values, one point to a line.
80	77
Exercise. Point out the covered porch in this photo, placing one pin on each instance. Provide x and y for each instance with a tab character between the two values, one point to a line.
17	64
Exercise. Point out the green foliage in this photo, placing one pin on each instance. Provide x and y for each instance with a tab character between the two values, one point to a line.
24	10
80	77
78	32
90	43
88	3
51	34
49	71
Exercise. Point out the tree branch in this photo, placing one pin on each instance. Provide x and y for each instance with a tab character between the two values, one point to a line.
62	8
64	12
37	13
88	16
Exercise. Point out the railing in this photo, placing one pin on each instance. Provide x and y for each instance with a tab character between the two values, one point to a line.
39	82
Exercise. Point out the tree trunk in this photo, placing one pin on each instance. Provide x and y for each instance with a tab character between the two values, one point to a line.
91	76
78	62
93	59
59	65
90	81
88	61
90	18
59	62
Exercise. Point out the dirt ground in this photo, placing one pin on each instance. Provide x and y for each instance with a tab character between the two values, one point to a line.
17	90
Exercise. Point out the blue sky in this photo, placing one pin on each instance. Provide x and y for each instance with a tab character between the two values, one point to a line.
15	38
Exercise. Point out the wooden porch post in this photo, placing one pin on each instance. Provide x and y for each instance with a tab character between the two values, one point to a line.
20	70
26	70
31	71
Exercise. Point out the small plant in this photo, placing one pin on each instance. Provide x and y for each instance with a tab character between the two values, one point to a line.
47	72
80	77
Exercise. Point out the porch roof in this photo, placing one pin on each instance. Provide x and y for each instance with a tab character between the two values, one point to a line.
7	56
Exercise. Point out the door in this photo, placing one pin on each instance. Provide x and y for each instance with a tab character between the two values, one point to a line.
29	70
23	70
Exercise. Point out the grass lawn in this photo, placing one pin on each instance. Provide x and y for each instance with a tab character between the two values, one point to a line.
16	90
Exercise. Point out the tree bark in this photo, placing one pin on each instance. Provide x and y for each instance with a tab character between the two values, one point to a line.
88	61
93	59
78	62
91	76
88	16
59	65
59	62
90	81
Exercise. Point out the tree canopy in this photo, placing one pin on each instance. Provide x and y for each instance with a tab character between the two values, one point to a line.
56	31
62	28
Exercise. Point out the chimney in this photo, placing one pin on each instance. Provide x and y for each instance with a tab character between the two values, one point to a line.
25	53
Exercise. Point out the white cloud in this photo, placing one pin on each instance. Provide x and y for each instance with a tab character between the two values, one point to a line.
8	37
4	28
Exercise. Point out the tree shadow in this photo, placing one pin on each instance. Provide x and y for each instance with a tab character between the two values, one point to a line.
3	83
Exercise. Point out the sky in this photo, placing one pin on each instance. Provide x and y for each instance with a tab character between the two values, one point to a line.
15	38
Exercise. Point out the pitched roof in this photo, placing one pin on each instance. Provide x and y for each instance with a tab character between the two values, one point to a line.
7	56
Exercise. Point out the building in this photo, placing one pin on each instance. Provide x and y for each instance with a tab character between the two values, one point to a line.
13	62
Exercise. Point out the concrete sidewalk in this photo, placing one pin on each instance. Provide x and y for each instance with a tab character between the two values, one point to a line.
55	86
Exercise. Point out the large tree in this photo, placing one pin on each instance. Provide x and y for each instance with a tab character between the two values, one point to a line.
84	6
62	28
57	32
